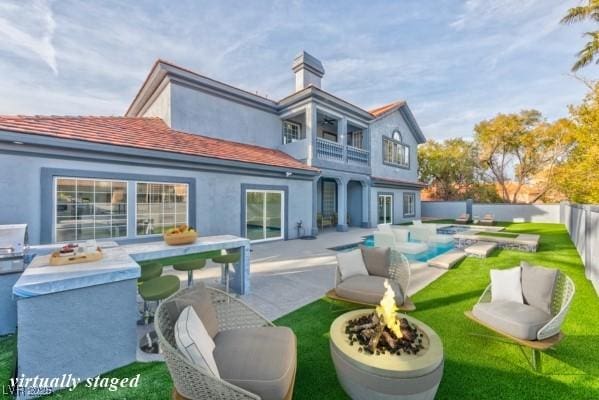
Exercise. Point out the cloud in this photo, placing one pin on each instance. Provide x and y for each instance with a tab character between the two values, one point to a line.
29	30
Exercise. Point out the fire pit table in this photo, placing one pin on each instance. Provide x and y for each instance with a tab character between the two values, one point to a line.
407	370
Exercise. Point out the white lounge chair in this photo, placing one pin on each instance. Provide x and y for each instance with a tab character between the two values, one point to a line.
397	239
488	219
428	233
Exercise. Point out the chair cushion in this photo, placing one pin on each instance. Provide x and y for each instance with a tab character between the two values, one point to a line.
516	319
538	284
401	235
376	260
259	360
367	289
506	285
199	299
194	342
351	263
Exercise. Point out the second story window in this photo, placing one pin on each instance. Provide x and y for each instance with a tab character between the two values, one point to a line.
292	131
355	139
395	152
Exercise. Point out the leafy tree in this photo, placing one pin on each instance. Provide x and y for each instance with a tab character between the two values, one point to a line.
451	169
590	10
578	177
521	148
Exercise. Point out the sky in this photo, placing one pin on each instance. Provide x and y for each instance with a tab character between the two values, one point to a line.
455	62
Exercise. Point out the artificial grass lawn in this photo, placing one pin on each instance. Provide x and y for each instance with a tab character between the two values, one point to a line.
475	367
499	234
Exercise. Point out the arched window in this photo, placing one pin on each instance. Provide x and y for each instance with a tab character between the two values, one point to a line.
395	152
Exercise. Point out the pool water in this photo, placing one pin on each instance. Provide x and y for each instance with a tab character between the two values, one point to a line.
453	229
434	249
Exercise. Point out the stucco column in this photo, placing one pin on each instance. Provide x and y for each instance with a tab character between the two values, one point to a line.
314	230
365	204
311	132
342	133
341	205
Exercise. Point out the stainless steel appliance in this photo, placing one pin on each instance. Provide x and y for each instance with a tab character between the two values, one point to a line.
13	245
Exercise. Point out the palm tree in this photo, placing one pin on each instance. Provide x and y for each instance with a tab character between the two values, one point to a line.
577	14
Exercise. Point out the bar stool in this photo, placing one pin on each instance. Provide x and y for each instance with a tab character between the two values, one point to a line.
149	270
225	260
156	289
190	266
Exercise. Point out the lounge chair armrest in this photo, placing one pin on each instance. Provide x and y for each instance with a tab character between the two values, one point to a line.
233	313
486	296
399	270
554	326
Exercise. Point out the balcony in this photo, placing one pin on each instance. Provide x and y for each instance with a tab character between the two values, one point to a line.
332	151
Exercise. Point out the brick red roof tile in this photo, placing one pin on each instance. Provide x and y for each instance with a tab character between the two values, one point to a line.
149	134
377	112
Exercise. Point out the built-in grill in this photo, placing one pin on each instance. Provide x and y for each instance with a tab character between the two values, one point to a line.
13	244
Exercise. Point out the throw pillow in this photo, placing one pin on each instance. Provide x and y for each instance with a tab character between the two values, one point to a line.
199	299
194	342
351	263
376	260
506	285
538	284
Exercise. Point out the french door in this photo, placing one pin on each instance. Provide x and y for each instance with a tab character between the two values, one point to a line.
264	215
385	209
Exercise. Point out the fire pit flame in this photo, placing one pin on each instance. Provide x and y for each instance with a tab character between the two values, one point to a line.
383	331
387	311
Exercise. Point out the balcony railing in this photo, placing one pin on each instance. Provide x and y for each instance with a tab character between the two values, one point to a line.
327	150
358	156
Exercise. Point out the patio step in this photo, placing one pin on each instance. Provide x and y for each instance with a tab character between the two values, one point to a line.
447	260
480	249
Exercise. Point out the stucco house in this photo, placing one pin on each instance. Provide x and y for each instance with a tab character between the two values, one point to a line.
194	150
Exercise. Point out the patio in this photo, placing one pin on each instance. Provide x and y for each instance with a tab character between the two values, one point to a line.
290	278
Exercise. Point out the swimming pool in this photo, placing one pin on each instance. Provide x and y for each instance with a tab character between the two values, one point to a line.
434	249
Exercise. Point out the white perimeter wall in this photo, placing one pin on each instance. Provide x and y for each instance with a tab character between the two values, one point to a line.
501	211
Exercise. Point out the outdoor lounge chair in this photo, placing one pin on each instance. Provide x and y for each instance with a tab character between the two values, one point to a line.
463	219
369	290
255	359
527	325
487	219
397	239
428	233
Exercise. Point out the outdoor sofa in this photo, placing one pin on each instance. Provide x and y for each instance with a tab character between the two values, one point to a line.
254	359
534	317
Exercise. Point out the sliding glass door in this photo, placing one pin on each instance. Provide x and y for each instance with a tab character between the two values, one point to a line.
264	214
385	209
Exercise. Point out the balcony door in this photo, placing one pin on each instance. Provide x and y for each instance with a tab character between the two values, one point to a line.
264	215
385	209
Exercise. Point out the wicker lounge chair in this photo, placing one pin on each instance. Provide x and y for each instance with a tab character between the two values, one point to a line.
237	322
487	219
463	219
399	271
547	335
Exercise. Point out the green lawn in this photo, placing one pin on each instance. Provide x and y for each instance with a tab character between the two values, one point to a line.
508	235
475	367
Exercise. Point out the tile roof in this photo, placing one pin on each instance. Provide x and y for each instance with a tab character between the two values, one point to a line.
149	134
377	112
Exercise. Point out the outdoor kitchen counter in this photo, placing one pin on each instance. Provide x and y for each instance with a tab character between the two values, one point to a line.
239	275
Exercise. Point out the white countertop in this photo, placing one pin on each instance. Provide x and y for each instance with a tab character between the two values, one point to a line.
119	263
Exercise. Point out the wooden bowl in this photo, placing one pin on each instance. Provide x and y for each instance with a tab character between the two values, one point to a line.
175	239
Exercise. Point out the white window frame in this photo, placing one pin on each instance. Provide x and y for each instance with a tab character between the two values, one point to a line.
265	191
385	196
135	234
400	153
411	195
76	178
290	136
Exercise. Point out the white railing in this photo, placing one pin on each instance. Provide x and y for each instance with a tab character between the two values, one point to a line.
328	150
356	155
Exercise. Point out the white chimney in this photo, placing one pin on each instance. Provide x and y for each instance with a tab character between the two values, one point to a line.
308	71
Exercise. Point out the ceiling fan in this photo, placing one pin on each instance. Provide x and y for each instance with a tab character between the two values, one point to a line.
328	121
